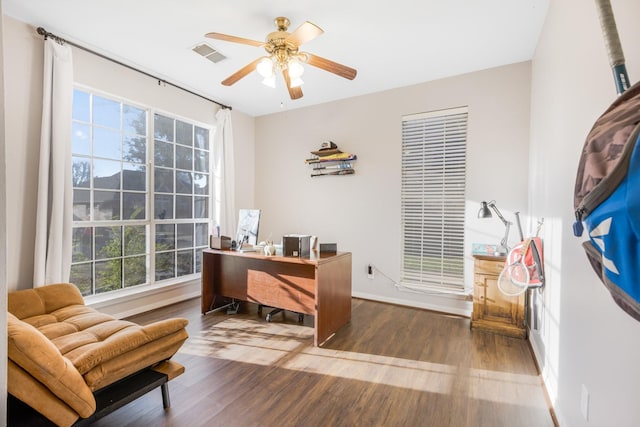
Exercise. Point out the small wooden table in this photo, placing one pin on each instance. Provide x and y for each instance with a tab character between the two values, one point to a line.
492	310
318	285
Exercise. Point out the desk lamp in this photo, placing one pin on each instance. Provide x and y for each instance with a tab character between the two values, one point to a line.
484	212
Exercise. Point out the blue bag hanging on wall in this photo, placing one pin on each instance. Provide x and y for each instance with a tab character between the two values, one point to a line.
607	199
607	191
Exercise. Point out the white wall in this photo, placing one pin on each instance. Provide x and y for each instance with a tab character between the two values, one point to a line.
585	339
361	212
23	97
3	241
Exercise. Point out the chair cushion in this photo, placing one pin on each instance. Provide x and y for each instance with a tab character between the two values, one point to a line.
24	387
43	300
103	349
37	355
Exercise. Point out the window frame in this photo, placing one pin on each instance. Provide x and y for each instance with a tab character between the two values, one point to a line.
433	190
150	221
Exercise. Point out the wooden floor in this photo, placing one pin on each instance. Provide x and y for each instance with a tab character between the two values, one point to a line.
390	366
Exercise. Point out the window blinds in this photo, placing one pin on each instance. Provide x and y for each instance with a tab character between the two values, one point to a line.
433	199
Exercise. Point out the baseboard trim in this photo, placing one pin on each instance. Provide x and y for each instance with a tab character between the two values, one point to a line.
545	390
441	308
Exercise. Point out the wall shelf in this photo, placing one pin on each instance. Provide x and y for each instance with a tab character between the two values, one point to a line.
336	163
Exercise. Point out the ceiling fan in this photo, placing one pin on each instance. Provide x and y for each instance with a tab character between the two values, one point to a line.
283	52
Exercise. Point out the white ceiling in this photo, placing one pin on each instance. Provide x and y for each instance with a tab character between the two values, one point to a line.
391	44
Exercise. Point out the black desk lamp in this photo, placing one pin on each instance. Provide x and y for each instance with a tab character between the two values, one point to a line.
484	212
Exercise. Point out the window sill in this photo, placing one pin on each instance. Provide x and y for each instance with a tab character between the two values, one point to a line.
138	299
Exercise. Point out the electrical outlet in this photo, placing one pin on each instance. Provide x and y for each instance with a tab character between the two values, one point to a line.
584	402
370	273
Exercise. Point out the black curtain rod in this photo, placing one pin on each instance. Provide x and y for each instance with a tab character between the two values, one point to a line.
46	34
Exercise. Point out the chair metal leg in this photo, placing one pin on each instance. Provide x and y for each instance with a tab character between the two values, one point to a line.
166	401
272	312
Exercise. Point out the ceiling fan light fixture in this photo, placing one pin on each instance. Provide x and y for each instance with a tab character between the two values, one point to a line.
284	57
265	68
270	81
295	69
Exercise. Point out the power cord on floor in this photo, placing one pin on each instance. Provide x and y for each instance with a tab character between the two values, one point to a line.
467	294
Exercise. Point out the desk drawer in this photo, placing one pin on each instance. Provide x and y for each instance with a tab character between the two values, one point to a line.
489	267
295	293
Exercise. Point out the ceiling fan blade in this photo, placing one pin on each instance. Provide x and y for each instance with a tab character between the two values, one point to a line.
294	92
330	66
234	39
304	33
241	72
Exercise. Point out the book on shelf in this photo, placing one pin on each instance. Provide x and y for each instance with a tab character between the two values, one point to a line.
332	158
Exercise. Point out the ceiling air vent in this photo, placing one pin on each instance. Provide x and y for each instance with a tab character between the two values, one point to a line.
208	52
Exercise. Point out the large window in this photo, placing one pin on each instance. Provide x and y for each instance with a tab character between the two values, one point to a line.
141	195
433	199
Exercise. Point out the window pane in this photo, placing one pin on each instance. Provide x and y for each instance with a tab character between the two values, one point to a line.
163	154
184	183
202	138
106	205
135	120
133	206
185	236
184	133
165	265
183	207
163	180
82	243
200	207
81	106
135	240
82	277
106	112
108	242
81	205
202	233
200	184
198	260
201	163
108	275
134	177
185	262
106	143
106	174
163	128
165	237
80	139
135	271
163	206
81	172
184	157
134	149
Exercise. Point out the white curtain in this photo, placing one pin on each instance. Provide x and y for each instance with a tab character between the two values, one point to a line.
224	172
54	212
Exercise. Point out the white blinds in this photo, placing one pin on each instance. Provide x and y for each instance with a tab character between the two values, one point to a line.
433	199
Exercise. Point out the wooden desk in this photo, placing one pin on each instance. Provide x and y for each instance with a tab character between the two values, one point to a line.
319	285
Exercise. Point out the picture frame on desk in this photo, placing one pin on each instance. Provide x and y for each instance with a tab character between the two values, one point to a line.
248	227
